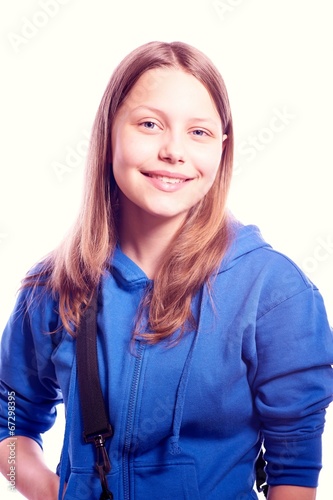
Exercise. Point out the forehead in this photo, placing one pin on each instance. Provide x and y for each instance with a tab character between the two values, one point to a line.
170	86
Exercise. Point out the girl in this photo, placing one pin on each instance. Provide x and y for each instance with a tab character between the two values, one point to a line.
210	343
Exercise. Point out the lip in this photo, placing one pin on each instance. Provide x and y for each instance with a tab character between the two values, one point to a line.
155	178
166	173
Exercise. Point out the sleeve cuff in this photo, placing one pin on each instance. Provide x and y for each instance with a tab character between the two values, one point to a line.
294	462
4	435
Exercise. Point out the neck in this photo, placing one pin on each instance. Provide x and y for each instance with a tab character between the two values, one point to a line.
145	239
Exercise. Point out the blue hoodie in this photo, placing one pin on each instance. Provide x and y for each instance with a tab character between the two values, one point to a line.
188	419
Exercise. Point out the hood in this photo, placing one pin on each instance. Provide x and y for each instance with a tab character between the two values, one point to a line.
244	239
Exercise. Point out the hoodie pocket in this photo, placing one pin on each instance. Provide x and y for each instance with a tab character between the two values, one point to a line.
166	482
87	486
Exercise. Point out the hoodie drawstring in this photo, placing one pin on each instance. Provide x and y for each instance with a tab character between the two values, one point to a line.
175	449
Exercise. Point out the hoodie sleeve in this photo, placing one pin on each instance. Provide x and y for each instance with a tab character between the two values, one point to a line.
26	371
293	383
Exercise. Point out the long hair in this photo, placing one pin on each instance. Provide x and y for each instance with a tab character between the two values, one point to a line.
74	269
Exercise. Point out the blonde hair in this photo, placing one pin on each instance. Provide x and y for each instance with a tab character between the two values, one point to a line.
73	270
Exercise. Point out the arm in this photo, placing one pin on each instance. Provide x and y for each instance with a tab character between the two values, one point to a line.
293	386
291	493
32	477
29	393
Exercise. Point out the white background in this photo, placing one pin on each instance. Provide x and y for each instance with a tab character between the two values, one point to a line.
275	56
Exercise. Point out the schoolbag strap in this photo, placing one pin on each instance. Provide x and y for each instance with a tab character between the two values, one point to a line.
95	420
261	484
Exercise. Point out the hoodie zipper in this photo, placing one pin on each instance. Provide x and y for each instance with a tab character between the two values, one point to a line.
130	420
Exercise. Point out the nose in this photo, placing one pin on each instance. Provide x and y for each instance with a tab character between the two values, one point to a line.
172	150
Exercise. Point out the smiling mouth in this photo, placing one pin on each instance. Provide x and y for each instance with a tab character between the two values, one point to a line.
168	180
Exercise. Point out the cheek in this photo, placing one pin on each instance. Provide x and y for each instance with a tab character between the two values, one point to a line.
132	151
210	163
119	151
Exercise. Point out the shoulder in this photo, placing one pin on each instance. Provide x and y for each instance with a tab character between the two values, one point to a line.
36	303
282	282
258	270
37	284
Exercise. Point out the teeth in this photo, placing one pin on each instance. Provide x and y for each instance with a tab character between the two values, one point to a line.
168	180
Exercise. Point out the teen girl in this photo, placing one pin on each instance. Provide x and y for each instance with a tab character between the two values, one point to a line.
210	343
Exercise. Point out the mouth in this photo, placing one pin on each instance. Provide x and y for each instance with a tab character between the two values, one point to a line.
167	178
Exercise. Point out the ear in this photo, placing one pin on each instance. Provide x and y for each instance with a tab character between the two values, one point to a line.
224	137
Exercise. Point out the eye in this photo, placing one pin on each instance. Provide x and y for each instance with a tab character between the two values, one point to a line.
149	125
199	132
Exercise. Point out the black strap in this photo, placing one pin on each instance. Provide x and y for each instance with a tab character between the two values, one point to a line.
95	421
261	484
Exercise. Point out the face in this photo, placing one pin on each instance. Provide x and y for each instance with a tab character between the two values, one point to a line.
166	145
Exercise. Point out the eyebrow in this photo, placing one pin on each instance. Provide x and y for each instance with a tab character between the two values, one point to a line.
194	119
